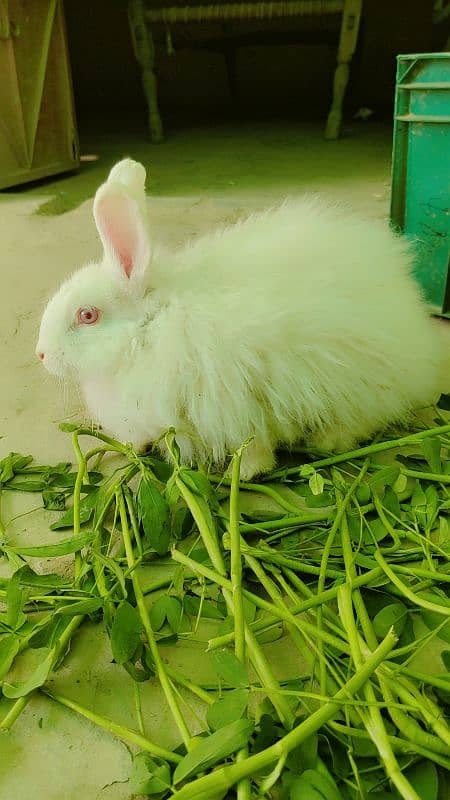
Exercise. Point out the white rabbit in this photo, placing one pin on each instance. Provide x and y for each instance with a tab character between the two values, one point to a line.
300	323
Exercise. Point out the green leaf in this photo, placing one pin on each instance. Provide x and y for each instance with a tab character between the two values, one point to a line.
379	795
94	477
301	789
27	486
209	610
322	769
227	709
11	464
384	477
400	484
304	756
68	427
172	493
320	501
391	503
413	460
393	615
406	637
269	732
161	469
434	620
366	534
37	677
432	451
316	483
62	548
125	632
214	748
357	532
364	748
166	608
445	656
230	669
249	609
443	530
370	563
7	468
30	578
54	501
9	647
200	554
363	494
423	776
444	402
418	497
197	482
15	598
271	634
315	784
60	468
182	522
137	674
377	531
112	565
87	606
49	634
65	480
432	505
87	506
148	776
154	514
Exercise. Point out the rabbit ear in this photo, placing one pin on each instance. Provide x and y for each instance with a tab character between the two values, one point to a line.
122	227
131	174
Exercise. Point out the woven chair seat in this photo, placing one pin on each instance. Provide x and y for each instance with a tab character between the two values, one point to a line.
219	11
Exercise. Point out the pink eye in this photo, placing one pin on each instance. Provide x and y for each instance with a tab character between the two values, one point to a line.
88	315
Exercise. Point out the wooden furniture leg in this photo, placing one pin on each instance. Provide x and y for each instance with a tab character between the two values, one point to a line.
230	64
144	51
347	43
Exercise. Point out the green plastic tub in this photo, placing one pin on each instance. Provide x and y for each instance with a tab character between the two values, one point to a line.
420	205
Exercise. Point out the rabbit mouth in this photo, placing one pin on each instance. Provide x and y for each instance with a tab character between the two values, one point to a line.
55	365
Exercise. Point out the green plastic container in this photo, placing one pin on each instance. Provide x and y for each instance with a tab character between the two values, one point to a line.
420	205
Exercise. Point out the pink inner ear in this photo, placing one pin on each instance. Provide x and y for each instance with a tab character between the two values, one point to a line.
120	226
125	260
122	244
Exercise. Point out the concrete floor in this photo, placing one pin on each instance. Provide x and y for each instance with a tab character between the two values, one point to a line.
198	179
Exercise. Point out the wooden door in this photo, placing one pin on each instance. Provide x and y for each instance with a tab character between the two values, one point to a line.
38	135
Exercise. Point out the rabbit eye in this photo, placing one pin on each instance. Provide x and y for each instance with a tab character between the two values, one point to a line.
88	315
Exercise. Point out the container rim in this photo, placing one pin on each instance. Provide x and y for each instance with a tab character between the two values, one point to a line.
412	56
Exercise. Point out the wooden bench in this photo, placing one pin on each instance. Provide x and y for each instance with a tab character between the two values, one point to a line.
143	18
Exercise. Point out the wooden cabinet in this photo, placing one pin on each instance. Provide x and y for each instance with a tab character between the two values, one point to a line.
38	134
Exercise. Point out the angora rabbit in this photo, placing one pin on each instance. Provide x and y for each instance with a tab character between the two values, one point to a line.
300	323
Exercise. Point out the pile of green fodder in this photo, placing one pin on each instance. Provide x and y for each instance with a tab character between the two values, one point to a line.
341	563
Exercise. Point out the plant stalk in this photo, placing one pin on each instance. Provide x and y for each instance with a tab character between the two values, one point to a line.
143	613
222	779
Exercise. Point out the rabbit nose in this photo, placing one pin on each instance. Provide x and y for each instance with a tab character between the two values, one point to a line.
41	356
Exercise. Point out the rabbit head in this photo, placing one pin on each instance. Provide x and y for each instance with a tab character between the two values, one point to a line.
90	321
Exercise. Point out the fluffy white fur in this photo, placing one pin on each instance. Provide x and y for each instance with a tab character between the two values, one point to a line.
299	323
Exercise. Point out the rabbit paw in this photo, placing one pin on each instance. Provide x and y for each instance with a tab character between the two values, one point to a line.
333	441
256	459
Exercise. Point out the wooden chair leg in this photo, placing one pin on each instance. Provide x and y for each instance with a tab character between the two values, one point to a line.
144	51
230	64
351	17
